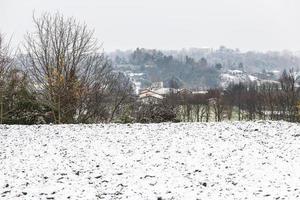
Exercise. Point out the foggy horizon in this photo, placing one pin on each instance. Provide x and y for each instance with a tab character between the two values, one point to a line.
256	25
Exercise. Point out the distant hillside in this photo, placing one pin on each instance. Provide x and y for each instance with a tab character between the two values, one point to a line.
250	61
199	68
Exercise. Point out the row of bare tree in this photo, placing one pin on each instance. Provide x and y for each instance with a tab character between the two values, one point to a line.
271	100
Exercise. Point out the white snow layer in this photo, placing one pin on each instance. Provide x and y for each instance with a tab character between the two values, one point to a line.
228	160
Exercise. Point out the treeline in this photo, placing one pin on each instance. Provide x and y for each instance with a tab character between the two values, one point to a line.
253	62
268	101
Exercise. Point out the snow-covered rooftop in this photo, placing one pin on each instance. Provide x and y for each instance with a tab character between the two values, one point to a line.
150	94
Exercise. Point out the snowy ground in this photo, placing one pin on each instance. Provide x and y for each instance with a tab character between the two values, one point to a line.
239	160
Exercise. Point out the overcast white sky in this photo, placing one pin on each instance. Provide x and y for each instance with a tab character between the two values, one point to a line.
170	24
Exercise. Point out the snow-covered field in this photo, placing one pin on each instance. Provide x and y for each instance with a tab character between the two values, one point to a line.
228	160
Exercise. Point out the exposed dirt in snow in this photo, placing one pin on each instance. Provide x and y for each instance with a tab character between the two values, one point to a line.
239	160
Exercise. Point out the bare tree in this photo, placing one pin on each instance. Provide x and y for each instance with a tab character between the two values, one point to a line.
121	92
5	63
249	101
93	95
64	61
289	94
234	95
270	95
217	101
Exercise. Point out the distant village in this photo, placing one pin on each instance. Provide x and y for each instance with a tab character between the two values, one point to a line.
158	92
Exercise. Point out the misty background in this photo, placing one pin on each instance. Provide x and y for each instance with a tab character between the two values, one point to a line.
259	25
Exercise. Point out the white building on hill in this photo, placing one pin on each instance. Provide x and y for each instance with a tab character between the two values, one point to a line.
148	96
